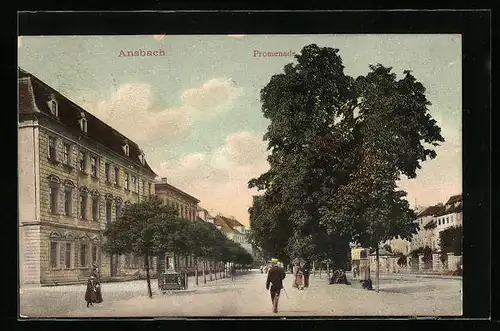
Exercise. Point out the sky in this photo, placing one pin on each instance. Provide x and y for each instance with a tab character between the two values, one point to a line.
195	110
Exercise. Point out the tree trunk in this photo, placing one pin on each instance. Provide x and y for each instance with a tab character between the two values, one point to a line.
215	270
210	270
196	271
148	279
204	266
314	269
378	267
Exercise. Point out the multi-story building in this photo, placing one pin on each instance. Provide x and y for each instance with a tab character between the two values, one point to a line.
431	221
230	227
187	208
205	216
234	230
75	175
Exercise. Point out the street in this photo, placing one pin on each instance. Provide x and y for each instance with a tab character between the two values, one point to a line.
399	295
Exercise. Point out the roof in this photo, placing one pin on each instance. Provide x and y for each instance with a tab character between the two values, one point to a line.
159	185
233	222
224	225
431	211
33	97
455	198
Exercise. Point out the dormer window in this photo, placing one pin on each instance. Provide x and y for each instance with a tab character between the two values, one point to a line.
126	149
83	122
142	157
53	106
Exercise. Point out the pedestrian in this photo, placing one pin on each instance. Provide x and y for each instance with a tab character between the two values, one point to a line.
96	273
299	277
307	272
233	272
90	294
274	284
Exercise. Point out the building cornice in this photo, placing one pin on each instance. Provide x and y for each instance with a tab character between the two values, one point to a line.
61	225
159	186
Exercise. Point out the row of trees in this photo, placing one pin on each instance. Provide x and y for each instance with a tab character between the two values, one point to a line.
338	145
149	228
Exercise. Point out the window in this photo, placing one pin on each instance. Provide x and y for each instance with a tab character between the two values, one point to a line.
126	149
134	184
53	254
67	202
107	171
81	161
66	156
68	255
108	211
83	206
53	106
149	188
118	211
95	209
126	182
93	166
116	175
143	187
53	199
83	255
83	122
95	254
52	148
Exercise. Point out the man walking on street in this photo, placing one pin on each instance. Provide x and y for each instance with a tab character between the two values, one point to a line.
275	278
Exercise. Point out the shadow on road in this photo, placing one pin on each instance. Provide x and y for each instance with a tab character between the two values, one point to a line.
410	289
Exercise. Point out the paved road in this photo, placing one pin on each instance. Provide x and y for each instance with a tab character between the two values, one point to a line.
247	296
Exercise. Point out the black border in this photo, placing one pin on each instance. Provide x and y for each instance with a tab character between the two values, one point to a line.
476	34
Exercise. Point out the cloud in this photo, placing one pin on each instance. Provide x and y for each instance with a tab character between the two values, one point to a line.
215	93
19	41
129	110
219	178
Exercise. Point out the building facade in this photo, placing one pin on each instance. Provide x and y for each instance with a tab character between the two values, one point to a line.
234	230
187	208
76	174
431	221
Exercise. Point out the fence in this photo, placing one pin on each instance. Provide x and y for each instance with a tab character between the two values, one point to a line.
439	263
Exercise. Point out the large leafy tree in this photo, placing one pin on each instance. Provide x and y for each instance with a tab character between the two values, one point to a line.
338	146
147	229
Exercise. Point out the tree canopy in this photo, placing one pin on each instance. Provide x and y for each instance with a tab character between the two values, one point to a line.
149	228
338	147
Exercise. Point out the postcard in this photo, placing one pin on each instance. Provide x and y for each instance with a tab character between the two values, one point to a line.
240	175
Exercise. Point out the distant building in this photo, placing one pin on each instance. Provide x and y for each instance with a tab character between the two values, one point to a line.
431	221
234	230
187	208
75	175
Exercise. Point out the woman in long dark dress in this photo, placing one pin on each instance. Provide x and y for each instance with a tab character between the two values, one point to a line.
96	273
90	294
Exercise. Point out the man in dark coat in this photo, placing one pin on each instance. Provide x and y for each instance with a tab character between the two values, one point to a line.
275	278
